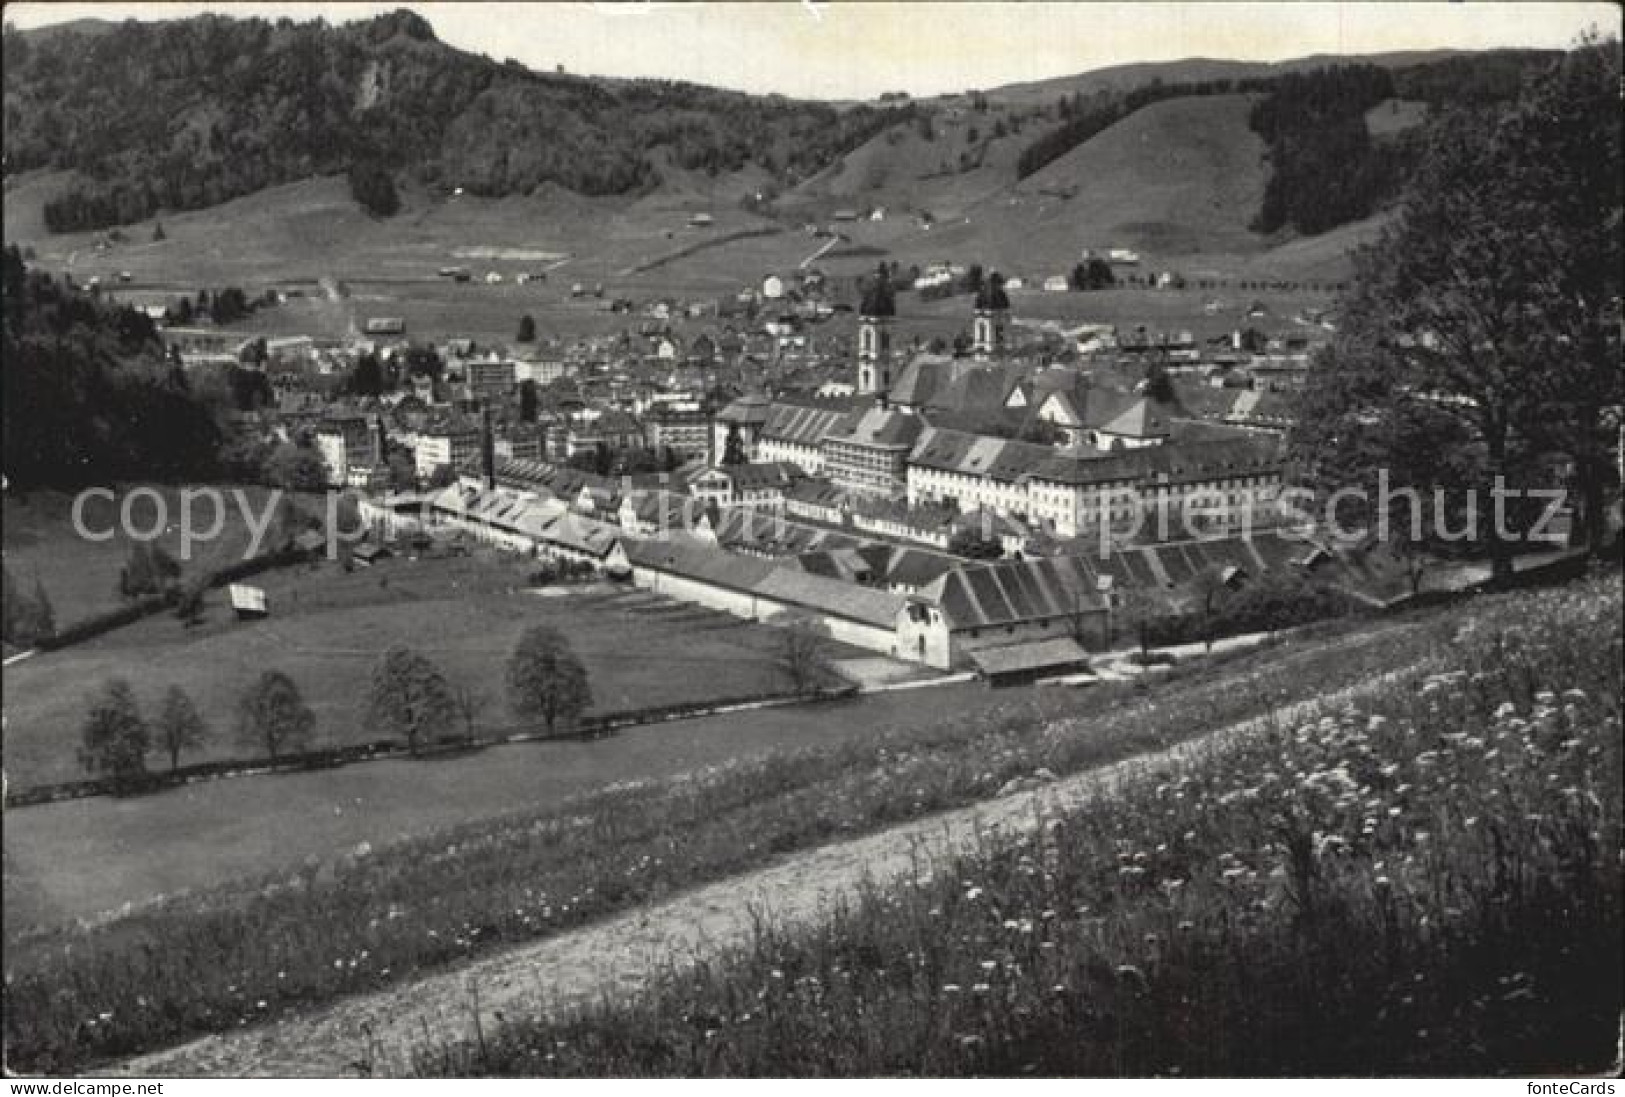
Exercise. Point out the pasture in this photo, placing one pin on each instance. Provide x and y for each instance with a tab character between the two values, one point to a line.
79	574
78	858
328	628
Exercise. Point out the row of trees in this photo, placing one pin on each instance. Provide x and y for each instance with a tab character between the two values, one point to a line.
408	697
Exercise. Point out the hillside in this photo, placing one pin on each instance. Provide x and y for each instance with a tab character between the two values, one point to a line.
1176	178
189	113
1191	70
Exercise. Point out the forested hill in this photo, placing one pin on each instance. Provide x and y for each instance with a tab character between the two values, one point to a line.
186	114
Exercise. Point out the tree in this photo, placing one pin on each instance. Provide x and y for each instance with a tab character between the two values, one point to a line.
470	703
879	297
403	471
373	189
189	606
1492	299
272	714
115	737
803	656
733	447
1159	384
527	329
1208	594
1137	609
148	569
27	618
179	726
367	378
545	679
294	467
1568	139
422	360
410	697
529	404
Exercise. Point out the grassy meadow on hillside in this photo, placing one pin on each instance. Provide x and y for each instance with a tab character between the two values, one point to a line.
1423	882
1178	180
212	957
81	575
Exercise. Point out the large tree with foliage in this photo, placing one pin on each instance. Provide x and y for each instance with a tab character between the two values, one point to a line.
115	737
733	447
545	679
409	697
179	726
1480	337
272	714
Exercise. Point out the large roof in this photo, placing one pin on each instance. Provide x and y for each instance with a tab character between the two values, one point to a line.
751	408
1170	463
832	596
979	455
803	424
1056	653
884	428
1010	592
693	559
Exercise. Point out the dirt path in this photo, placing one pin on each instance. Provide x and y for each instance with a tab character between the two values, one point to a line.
617	954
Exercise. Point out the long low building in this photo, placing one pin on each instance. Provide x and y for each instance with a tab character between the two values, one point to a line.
692	571
511	520
969	608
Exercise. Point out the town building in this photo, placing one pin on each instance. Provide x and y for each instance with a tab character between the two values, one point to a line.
347	442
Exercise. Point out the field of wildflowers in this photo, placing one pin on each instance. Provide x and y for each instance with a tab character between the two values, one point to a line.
1426	884
232	958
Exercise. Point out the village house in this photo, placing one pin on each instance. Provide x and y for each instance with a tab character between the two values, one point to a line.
347	442
681	427
446	444
753	484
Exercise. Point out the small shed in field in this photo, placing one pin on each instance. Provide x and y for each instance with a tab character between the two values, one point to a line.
1017	664
248	602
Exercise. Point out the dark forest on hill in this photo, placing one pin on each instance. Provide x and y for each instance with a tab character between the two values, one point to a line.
187	114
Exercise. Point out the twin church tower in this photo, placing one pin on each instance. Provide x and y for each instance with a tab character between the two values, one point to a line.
874	332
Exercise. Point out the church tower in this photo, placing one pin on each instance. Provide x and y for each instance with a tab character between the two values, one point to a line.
992	315
875	311
874	355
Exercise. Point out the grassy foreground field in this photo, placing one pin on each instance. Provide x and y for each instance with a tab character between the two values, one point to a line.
1426	884
258	950
328	628
84	859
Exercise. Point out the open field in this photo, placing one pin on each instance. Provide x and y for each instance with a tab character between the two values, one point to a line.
555	865
81	576
328	628
1421	881
81	858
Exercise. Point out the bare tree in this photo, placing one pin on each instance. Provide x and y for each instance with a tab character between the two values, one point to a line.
470	704
804	657
179	726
